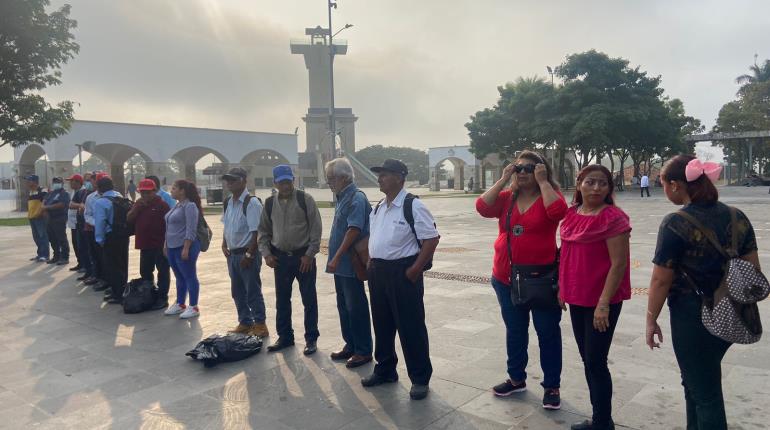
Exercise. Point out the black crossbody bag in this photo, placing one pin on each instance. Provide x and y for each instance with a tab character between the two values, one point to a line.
535	286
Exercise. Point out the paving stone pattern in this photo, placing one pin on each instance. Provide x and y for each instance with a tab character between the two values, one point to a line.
69	361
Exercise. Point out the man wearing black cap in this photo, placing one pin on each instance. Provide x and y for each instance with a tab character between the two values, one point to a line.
241	218
55	205
36	216
402	240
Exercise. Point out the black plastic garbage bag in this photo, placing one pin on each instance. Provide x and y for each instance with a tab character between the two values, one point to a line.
139	296
219	348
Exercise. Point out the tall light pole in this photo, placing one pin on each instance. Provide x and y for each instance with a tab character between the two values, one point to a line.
80	157
332	121
550	72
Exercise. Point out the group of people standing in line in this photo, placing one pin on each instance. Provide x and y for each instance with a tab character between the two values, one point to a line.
392	244
594	277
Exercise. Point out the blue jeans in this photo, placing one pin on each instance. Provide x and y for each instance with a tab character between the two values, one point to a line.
353	307
546	322
185	273
246	289
40	236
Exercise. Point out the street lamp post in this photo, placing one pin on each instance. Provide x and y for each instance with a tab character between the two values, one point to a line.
332	121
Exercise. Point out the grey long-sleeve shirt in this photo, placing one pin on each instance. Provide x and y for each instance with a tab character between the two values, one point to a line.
287	229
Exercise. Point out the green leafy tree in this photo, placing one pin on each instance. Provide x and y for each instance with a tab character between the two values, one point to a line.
416	160
33	46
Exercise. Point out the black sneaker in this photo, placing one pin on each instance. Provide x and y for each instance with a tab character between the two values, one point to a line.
375	379
63	262
552	399
589	425
280	344
507	388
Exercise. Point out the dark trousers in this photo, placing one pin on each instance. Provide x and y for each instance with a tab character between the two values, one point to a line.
246	289
285	274
40	236
57	235
86	258
151	259
97	256
699	355
74	236
546	322
353	307
397	305
594	347
647	189
115	259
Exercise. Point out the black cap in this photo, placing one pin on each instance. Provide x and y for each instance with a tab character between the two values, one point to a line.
58	179
235	173
393	166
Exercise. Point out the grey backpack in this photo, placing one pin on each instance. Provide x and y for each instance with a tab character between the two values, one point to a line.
732	313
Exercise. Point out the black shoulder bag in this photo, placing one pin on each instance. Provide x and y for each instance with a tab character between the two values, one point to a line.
535	286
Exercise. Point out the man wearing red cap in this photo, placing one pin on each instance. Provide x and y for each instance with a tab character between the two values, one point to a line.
147	215
78	196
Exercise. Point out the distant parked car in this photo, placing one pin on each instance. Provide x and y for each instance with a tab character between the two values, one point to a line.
755	181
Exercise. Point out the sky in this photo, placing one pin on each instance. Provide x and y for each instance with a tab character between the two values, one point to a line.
414	72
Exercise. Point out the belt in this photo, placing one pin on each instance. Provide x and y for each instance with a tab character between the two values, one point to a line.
238	251
406	261
299	251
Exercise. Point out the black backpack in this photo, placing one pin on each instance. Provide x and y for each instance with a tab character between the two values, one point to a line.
120	225
300	201
246	201
139	296
409	217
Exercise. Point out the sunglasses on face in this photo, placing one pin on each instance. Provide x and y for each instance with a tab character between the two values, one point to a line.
590	182
526	168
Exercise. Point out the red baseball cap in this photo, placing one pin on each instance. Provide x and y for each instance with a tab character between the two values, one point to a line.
146	185
101	175
75	177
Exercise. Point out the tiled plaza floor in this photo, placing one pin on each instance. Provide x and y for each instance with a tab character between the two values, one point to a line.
69	361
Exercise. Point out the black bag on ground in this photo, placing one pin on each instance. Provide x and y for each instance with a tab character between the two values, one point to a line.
139	296
219	348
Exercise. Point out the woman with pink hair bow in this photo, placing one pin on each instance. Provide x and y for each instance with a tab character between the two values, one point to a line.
689	269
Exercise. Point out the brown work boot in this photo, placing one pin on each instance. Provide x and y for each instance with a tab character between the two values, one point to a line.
241	328
259	329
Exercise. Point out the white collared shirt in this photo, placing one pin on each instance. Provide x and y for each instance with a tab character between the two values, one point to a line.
240	229
390	237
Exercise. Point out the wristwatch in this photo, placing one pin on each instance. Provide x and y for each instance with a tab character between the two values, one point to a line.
249	255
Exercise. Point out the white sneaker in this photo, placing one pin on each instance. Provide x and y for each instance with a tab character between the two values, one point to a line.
175	309
190	312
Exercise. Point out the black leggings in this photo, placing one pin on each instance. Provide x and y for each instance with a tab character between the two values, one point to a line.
594	347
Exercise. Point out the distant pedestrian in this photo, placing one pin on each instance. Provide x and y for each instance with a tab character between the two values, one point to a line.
131	190
78	195
182	248
56	205
688	270
37	218
241	218
351	224
594	279
112	243
289	239
148	217
399	255
644	183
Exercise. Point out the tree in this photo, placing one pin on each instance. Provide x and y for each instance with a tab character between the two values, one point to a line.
759	74
33	46
416	160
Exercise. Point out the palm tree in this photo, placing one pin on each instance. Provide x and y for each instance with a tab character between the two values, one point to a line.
759	73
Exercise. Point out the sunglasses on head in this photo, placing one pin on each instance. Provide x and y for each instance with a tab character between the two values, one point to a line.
526	168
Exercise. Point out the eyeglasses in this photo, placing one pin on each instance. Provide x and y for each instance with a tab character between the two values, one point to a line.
591	182
526	168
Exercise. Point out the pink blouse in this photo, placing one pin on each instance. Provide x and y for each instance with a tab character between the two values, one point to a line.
585	259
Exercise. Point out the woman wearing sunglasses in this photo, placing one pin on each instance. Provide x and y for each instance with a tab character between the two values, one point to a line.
594	279
528	214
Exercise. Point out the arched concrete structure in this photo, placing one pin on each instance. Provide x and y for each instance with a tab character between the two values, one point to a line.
115	143
259	164
465	164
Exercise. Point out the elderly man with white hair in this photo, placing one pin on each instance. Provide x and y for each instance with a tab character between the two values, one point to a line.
351	224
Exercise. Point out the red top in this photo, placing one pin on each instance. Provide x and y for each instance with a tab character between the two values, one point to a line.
533	233
585	258
150	225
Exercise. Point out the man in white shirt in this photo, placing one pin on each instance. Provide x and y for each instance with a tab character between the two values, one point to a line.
644	183
239	245
400	251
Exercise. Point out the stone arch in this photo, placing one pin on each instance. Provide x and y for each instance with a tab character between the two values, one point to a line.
188	157
260	163
459	175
